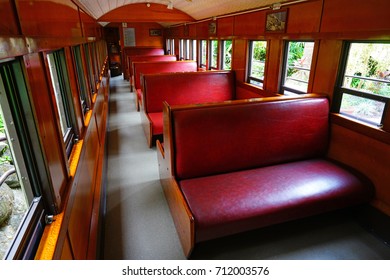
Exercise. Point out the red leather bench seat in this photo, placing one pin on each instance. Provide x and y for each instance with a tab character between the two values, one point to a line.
152	67
239	201
181	88
242	165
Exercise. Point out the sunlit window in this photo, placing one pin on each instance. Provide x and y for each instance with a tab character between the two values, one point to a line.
62	92
297	65
256	63
227	49
21	205
364	87
213	54
203	54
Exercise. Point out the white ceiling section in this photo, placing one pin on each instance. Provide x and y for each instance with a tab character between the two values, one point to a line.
197	9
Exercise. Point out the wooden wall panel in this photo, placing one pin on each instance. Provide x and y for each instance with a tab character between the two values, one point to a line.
66	250
202	29
90	27
48	128
225	26
327	67
192	30
8	22
48	18
367	155
84	188
274	65
251	24
239	59
99	111
142	37
304	17
355	16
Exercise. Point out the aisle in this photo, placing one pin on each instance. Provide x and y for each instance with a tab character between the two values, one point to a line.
138	224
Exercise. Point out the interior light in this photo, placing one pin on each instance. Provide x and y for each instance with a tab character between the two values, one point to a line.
276	6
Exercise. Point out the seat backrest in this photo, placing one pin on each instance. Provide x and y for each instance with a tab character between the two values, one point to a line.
151	67
213	139
187	88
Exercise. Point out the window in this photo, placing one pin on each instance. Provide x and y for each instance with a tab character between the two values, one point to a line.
181	49
363	89
189	49
257	56
214	54
192	49
296	70
23	175
203	54
170	45
227	48
89	67
62	92
84	92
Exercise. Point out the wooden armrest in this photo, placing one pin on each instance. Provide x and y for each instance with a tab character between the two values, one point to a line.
160	147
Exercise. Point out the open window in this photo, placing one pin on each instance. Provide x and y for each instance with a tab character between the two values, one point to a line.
226	54
363	87
63	97
26	200
256	62
296	67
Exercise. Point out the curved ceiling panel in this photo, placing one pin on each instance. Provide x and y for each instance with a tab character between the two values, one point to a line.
194	9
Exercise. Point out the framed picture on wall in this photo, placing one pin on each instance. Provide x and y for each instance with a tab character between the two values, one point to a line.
213	28
276	21
155	32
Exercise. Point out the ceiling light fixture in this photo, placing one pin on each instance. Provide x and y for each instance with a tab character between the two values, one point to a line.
148	5
276	6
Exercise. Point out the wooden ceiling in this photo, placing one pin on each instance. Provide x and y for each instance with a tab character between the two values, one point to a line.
168	12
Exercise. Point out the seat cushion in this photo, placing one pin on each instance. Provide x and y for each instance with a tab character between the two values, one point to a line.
157	122
239	201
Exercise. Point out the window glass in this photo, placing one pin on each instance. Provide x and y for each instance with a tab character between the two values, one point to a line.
89	68
297	66
181	49
365	81
82	83
257	56
171	46
193	52
20	202
61	87
214	54
203	53
227	48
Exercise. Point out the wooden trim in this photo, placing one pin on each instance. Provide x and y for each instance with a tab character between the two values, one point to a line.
360	127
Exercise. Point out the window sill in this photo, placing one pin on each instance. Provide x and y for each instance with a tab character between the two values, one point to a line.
361	127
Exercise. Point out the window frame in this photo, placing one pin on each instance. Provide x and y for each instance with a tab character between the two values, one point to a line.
255	81
84	91
41	202
340	90
70	135
223	55
282	87
202	55
213	57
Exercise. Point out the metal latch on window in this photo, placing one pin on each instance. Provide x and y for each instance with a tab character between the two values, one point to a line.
49	219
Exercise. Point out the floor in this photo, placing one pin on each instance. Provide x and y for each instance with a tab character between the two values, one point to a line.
138	224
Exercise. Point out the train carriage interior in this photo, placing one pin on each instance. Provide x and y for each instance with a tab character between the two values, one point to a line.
194	130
